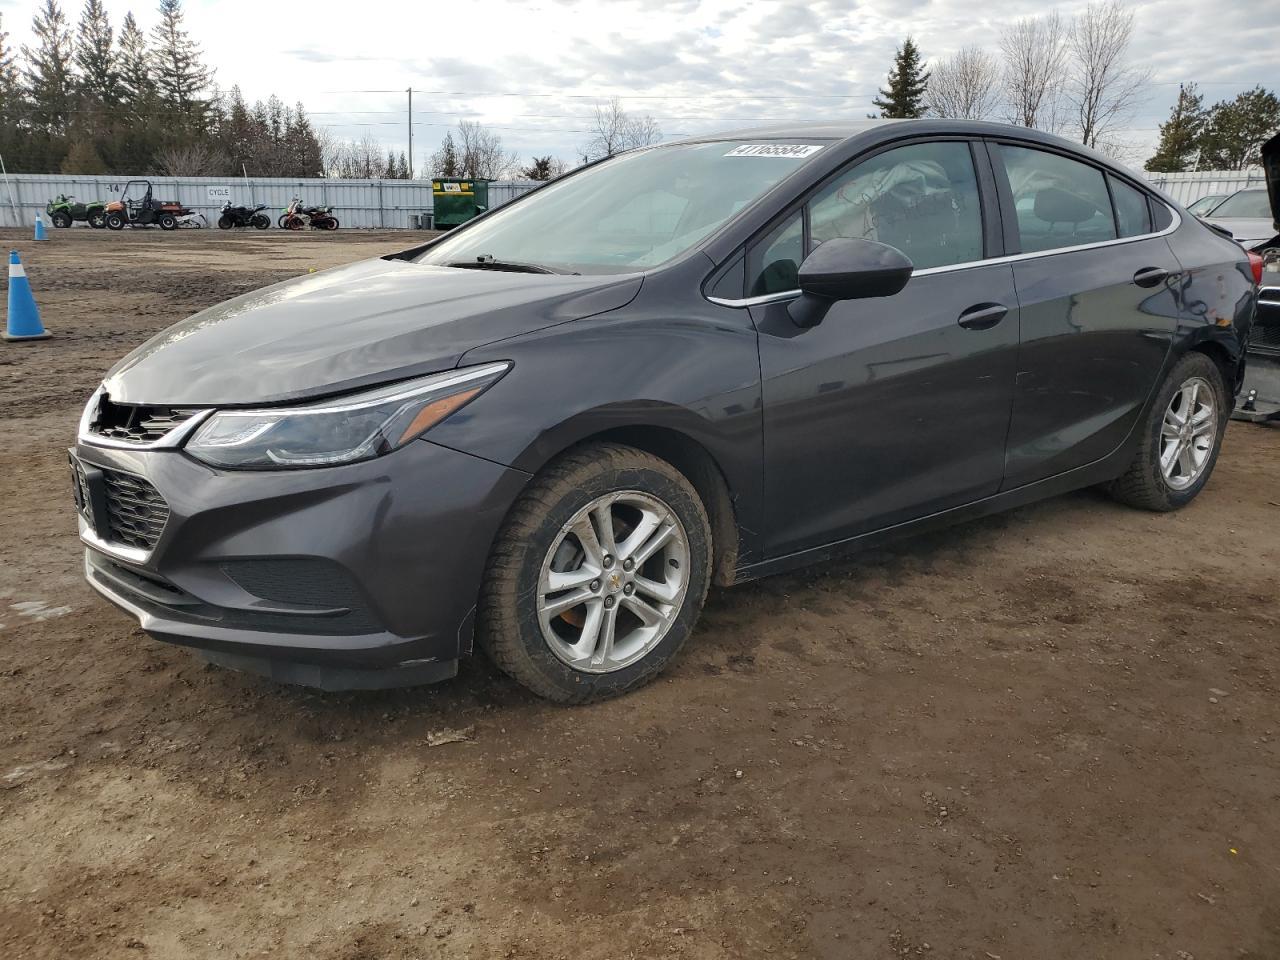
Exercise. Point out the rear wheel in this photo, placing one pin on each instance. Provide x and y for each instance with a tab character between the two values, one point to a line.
598	575
331	223
97	220
61	219
1181	438
115	221
167	221
261	221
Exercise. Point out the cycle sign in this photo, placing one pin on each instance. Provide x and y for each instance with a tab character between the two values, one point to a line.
219	195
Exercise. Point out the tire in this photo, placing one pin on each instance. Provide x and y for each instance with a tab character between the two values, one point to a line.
536	535
115	221
282	220
61	219
331	224
97	220
167	221
262	221
225	222
1148	483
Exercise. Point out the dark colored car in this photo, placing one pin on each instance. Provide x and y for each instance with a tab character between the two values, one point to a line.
551	429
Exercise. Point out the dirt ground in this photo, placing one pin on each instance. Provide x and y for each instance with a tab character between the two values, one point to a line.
1050	734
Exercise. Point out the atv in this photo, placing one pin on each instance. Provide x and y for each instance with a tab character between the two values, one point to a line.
64	211
137	208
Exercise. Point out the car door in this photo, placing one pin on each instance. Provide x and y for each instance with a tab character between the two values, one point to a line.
1096	284
897	407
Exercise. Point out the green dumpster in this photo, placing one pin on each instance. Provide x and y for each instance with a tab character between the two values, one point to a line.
457	200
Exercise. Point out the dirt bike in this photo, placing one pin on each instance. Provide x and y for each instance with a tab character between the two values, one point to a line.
64	211
243	217
296	216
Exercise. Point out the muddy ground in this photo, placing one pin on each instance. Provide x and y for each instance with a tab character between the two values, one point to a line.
1050	734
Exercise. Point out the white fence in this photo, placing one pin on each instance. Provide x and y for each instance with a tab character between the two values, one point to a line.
1188	187
391	203
357	203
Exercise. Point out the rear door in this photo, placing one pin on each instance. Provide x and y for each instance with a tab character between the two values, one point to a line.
1096	283
895	407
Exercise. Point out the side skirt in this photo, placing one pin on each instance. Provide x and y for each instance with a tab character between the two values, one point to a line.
1100	471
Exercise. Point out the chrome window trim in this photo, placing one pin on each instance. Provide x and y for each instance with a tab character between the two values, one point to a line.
971	264
169	441
135	555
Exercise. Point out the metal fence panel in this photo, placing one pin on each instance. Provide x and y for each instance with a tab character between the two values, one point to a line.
1189	187
372	204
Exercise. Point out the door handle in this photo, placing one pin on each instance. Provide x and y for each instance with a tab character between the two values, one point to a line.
1150	276
982	316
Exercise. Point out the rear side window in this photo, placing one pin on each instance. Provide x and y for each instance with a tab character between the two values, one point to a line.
1059	202
1133	217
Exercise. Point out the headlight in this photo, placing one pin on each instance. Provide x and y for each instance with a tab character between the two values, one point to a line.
340	430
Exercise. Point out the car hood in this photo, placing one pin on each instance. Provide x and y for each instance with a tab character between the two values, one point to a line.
367	323
1244	230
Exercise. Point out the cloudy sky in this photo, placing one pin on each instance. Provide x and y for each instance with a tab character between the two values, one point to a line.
534	71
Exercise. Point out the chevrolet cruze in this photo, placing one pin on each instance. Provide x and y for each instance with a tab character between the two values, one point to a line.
547	432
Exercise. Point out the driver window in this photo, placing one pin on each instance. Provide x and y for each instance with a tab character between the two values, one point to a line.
922	199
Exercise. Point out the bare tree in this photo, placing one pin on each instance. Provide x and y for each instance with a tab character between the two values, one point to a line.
480	152
965	86
1035	60
189	158
362	159
614	130
1103	87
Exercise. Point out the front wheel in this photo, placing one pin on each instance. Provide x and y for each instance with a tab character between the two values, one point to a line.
61	219
1180	439
115	221
225	222
167	221
598	575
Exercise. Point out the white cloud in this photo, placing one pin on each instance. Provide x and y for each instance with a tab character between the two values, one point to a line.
696	65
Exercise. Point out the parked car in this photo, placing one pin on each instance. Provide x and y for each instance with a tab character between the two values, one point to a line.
1204	206
1254	221
550	430
1247	215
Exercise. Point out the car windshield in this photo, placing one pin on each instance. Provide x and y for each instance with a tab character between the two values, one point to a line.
1245	205
629	213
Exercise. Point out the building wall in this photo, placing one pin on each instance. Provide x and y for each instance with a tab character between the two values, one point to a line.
372	204
1188	187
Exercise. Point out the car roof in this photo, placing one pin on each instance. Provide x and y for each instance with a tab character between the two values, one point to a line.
851	129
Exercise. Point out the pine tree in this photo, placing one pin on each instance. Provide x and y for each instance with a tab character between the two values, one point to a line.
404	166
99	79
445	162
137	82
392	171
180	75
1236	129
903	98
48	75
8	70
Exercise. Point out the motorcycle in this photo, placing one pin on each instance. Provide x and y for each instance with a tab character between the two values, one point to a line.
243	217
296	216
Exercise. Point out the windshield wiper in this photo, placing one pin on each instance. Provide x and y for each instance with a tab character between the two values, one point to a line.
486	261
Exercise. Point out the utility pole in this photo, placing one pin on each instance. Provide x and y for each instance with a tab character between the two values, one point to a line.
410	92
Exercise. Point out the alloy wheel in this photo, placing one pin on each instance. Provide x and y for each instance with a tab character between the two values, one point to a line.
613	581
1188	433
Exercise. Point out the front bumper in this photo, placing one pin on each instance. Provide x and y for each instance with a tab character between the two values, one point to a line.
353	576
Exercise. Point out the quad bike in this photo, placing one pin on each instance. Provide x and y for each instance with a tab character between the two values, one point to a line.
138	208
243	217
64	211
296	216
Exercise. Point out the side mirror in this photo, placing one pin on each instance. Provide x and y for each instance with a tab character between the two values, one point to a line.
844	268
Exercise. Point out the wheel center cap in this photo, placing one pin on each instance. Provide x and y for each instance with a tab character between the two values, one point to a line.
615	582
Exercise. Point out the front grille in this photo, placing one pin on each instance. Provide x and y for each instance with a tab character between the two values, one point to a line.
1264	338
137	424
136	513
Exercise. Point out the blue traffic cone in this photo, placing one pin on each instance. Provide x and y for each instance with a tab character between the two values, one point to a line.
24	316
40	234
